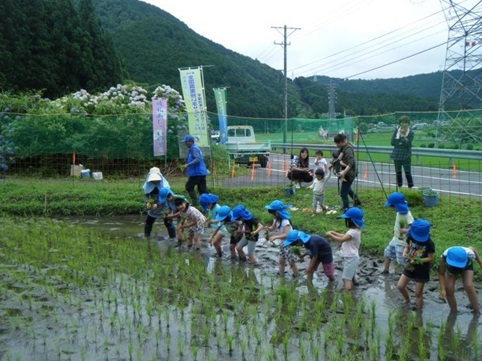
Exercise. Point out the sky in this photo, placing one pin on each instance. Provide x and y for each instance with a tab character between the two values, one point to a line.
350	39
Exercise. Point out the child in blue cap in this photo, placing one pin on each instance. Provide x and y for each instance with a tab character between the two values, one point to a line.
454	262
419	253
403	220
319	250
248	232
281	226
350	245
209	204
231	226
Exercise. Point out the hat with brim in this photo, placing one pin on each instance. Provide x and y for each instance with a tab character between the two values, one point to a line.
277	205
420	230
223	212
154	175
180	199
241	212
294	236
356	216
284	214
456	257
394	199
402	208
163	193
206	199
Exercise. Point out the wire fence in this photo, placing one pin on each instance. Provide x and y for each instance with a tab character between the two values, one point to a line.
120	146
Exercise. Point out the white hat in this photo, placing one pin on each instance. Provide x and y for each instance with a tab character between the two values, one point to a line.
154	175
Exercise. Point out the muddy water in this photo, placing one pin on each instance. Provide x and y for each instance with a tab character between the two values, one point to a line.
80	325
374	287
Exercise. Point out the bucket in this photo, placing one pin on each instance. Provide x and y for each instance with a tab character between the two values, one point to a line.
430	198
85	173
97	175
290	191
425	189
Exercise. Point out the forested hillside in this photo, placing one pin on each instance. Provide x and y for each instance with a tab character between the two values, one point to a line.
55	47
61	46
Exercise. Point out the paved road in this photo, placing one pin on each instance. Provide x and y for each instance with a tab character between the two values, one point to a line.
444	181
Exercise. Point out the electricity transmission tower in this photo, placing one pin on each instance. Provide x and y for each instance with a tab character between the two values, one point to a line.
462	76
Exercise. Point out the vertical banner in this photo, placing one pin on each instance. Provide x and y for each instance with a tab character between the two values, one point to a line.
193	93
220	96
159	126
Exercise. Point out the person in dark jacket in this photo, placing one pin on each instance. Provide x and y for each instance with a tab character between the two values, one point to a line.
196	170
347	172
402	139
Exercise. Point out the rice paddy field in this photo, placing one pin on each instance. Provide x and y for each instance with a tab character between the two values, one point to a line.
93	289
78	281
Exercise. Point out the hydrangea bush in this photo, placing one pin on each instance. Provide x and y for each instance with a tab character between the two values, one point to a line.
116	122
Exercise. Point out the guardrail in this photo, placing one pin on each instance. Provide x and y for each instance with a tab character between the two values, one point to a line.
450	154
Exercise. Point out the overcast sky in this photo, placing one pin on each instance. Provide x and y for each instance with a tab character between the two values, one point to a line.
352	39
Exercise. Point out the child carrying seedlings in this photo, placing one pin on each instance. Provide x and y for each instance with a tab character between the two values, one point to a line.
171	215
418	253
154	187
318	187
454	262
319	250
403	220
350	246
230	226
281	226
209	203
192	220
248	232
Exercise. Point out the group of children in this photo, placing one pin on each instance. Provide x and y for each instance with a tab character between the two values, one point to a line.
414	250
411	245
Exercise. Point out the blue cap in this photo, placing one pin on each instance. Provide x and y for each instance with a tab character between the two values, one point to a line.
280	208
294	236
241	212
206	199
394	199
276	205
356	216
420	230
456	257
188	138
223	212
163	193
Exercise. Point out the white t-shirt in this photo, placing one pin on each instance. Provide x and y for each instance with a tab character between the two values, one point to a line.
321	163
280	226
469	251
350	248
401	221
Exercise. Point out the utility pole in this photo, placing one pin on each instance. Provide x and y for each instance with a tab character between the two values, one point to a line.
284	44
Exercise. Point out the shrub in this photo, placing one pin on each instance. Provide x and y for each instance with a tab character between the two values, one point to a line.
431	145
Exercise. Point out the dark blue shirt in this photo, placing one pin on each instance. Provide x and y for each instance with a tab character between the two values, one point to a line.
320	247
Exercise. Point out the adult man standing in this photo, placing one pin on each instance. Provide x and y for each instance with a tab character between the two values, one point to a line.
348	171
402	139
196	170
